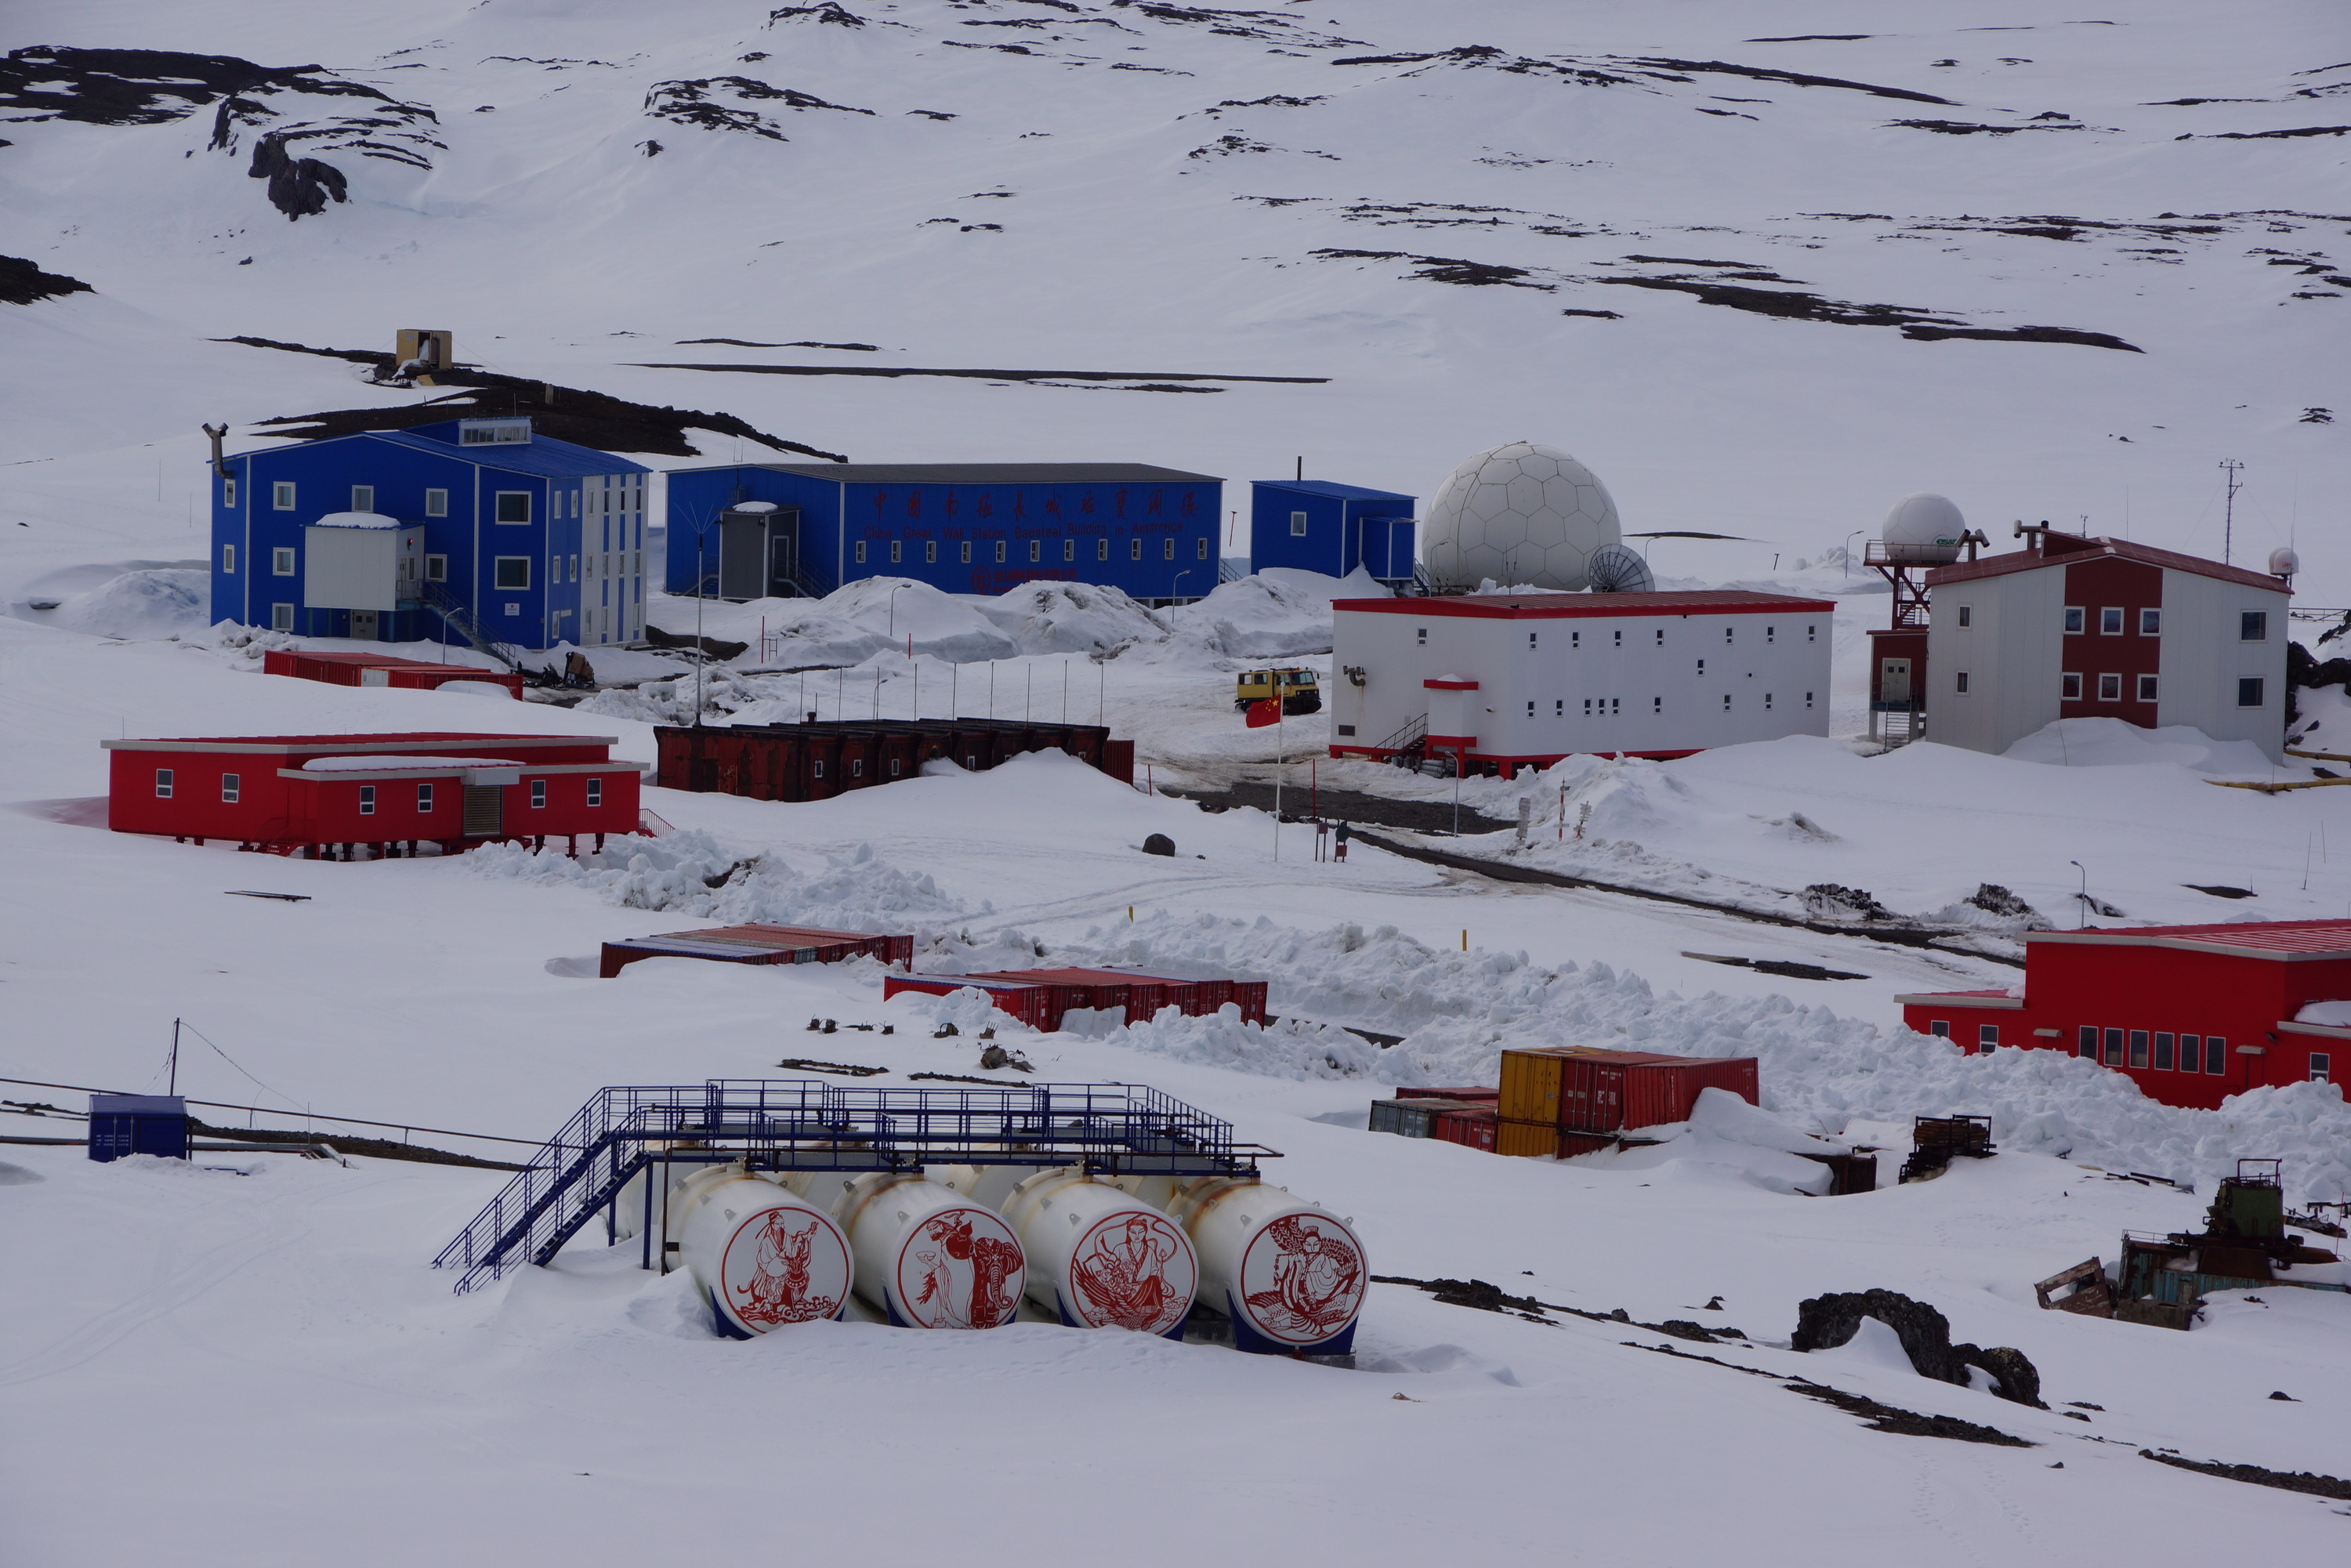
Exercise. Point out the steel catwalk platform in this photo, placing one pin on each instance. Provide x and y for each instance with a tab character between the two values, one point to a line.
807	1125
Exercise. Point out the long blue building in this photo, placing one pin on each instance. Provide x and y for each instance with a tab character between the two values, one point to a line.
409	535
1318	525
762	529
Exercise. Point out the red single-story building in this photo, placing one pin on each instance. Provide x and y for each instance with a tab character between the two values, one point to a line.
2192	1014
341	669
758	942
302	794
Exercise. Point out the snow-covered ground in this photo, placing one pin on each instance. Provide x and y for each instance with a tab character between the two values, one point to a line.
246	1360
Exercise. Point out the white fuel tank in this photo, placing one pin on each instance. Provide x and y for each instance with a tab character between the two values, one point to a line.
986	1185
928	1256
1291	1274
763	1256
1100	1257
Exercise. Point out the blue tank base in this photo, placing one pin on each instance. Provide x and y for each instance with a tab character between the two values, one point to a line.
1247	1338
727	1327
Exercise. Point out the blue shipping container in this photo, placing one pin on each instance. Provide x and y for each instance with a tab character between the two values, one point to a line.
1314	525
122	1124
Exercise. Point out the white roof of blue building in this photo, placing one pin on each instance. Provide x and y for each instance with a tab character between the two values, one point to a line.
983	473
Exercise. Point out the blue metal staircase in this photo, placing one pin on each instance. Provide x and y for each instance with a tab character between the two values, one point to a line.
806	1124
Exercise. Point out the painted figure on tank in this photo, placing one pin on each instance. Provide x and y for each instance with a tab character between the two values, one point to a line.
776	1290
1123	1275
1316	1280
967	1280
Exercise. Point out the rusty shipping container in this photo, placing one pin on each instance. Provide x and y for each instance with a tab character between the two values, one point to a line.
1029	1004
758	943
816	761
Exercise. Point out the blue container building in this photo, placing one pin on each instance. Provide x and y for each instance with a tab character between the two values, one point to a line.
779	530
471	530
1315	525
122	1124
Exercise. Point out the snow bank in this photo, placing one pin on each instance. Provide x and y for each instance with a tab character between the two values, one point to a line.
1270	615
1070	618
2111	743
145	603
1459	1010
689	874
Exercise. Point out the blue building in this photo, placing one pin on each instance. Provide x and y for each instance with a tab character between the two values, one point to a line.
1317	526
412	535
761	529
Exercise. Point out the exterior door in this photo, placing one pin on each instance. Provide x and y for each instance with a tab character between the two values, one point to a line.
1893	680
783	557
363	625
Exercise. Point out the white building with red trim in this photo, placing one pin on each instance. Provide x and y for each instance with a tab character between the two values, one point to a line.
2099	628
1508	681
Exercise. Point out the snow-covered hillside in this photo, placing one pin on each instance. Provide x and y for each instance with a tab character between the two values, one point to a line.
1764	268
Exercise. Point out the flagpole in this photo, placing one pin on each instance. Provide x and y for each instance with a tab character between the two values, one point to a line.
1278	727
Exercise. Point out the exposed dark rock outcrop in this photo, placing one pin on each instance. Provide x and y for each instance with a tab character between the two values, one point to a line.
1827	1322
299	187
22	283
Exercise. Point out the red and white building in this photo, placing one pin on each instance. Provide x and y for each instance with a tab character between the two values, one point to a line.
2193	1014
302	794
2098	628
1510	681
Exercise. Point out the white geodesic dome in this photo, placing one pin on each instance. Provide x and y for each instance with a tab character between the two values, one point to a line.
1517	514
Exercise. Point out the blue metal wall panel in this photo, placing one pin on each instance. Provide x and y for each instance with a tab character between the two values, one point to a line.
1346	527
1153	540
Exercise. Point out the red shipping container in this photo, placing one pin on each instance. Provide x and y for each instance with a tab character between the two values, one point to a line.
1606	1090
1029	1004
1474	1126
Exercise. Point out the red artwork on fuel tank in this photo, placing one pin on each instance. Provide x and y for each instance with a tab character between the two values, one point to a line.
1302	1278
1132	1271
960	1270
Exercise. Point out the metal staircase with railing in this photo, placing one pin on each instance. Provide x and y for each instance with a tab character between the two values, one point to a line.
806	1124
1406	746
437	597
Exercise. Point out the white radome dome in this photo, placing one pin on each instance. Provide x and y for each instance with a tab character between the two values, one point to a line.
1519	514
1924	529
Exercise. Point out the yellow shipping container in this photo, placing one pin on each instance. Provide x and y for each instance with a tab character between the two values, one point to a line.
1538	1139
1530	1084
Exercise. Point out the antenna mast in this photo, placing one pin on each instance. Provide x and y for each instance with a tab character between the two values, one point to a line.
172	1087
2229	515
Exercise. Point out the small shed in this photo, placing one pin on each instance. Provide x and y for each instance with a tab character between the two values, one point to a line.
758	943
123	1124
1316	524
342	669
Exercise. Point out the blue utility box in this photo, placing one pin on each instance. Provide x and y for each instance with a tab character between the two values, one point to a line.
123	1124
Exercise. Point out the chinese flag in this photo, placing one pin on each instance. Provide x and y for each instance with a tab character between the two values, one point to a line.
1261	713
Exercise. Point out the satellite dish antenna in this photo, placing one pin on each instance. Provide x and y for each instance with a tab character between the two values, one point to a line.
1616	570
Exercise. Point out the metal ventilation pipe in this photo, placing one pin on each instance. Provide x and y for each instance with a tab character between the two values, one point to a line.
220	465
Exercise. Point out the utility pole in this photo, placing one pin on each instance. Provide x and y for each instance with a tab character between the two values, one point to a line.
2229	515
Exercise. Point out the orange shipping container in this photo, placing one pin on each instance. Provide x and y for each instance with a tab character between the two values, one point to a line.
1525	1139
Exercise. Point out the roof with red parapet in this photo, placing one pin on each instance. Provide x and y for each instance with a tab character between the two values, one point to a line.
1559	606
2064	549
2286	939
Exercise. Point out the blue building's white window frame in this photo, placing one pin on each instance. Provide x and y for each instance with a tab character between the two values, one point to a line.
436	568
510	574
1135	549
281	495
1101	548
436	502
1298	525
228	560
362	497
281	616
500	507
228	492
281	562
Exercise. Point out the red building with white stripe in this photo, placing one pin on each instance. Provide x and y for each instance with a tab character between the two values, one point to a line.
302	794
2191	1014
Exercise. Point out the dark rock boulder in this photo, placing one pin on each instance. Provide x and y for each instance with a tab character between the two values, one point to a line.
299	187
1824	1323
1159	844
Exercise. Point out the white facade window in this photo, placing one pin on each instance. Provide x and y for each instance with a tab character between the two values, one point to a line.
362	497
1530	641
1036	549
967	552
228	493
1967	614
2070	688
2248	692
1986	1036
1101	548
1000	552
1575	639
281	560
1559	707
1767	702
1420	636
1771	633
2110	688
897	551
228	559
2073	614
281	618
1135	549
538	794
595	791
1808	699
861	552
511	506
1701	667
2253	626
436	502
1170	552
1726	634
1657	705
367	799
163	783
2147	686
1960	682
575	568
1661	636
2110	620
1298	525
436	568
2150	623
424	800
2320	1066
1810	634
231	786
1726	701
1620	639
1530	707
510	571
281	495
